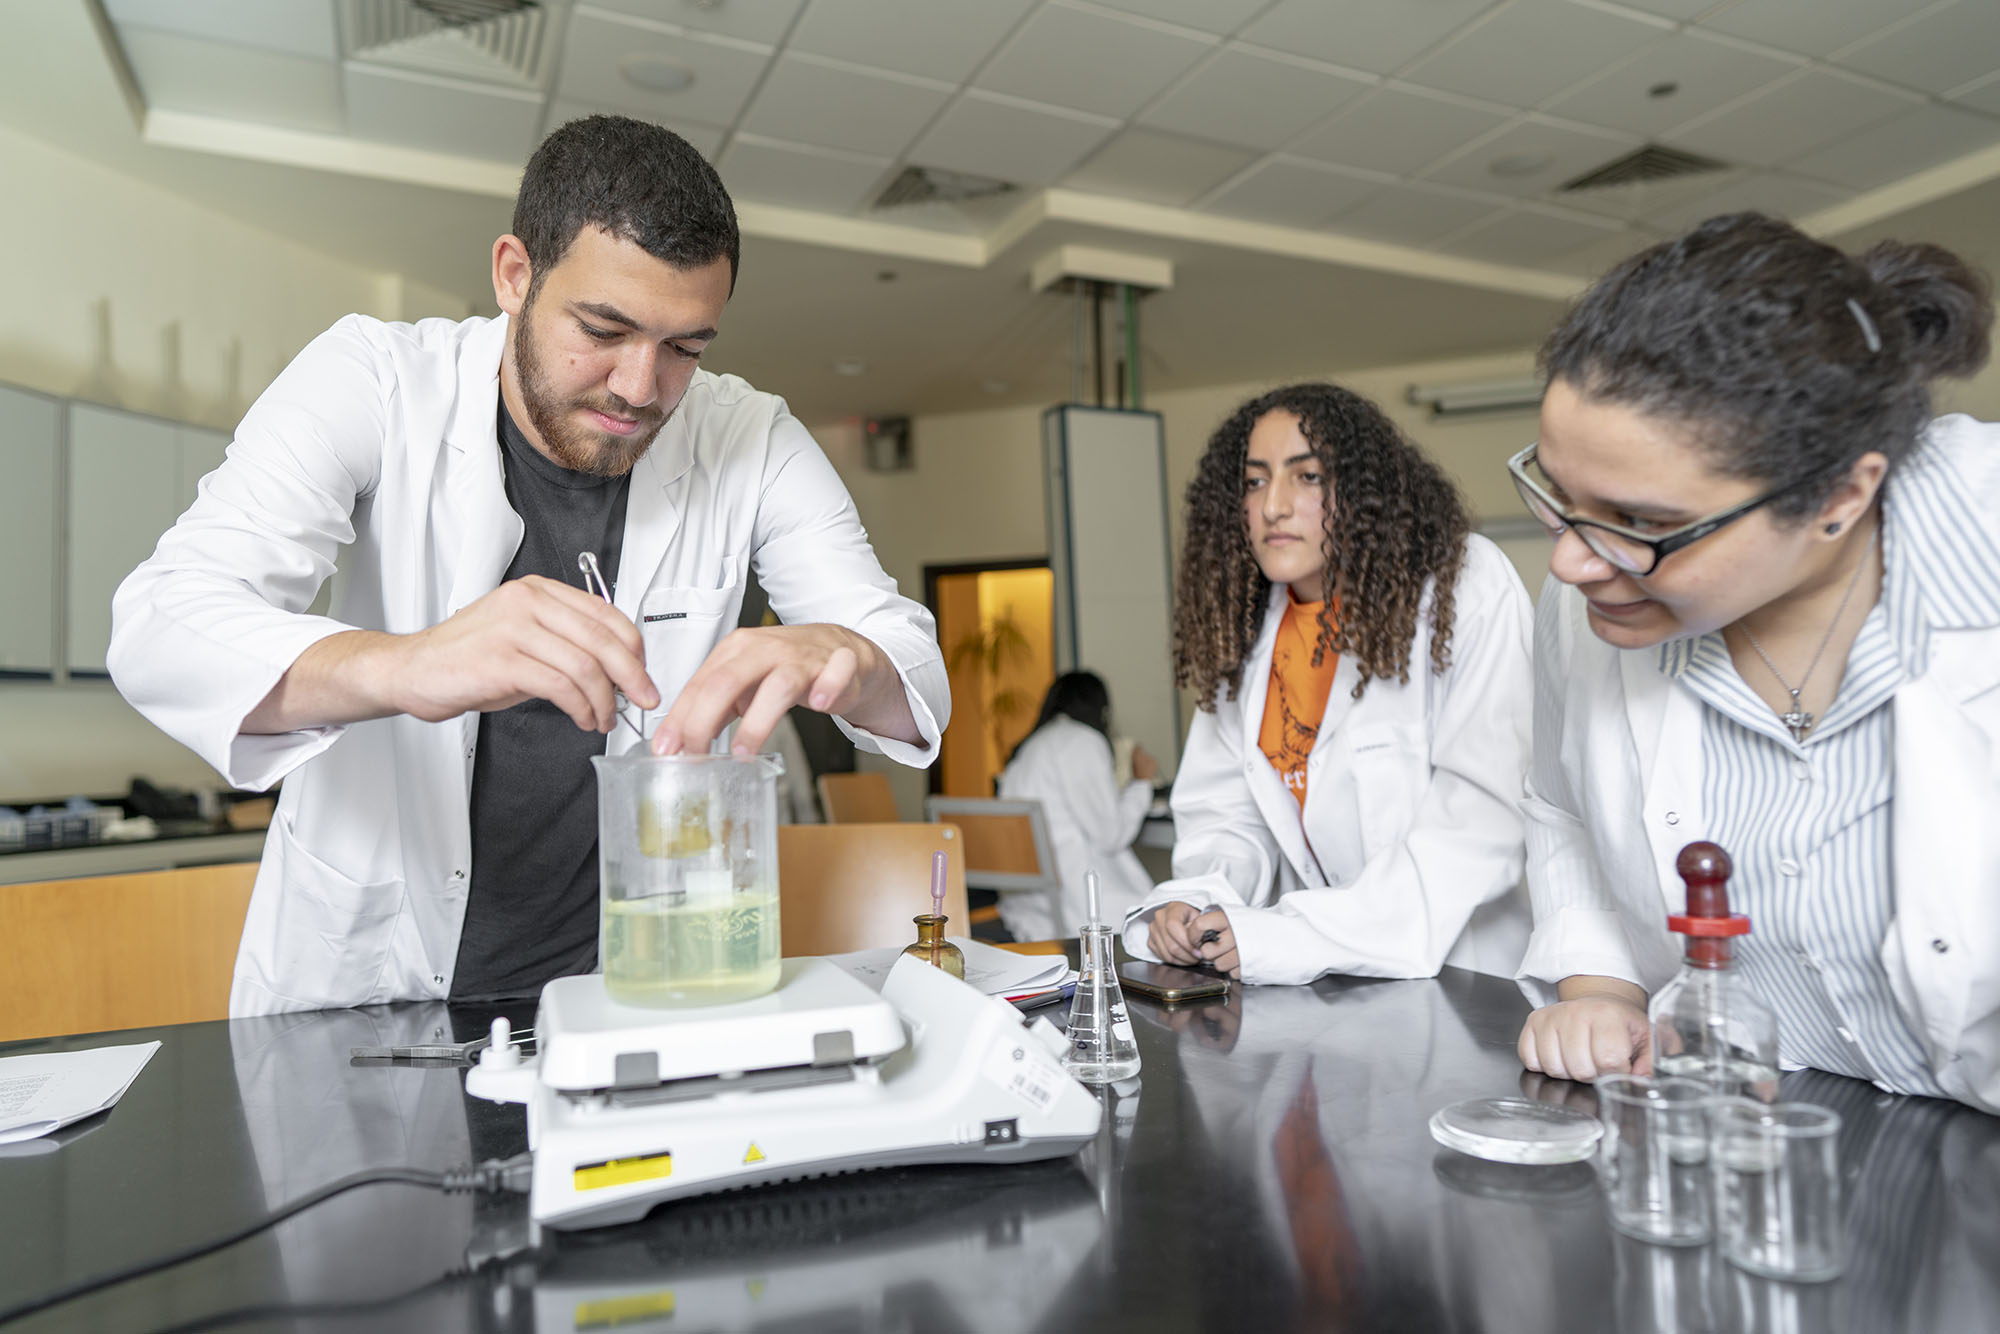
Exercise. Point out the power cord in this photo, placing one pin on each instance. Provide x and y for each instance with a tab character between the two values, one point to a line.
494	1176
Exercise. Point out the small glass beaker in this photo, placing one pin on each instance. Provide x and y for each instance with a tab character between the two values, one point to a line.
1102	1049
687	854
1653	1159
1779	1188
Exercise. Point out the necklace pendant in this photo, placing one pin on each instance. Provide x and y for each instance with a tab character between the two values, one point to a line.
1799	721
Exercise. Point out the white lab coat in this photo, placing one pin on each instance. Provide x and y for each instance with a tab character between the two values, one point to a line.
377	446
1067	767
1408	853
1615	794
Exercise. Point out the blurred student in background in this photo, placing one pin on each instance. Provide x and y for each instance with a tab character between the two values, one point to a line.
1066	764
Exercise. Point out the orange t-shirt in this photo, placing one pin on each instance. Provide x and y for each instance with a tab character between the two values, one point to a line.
1296	701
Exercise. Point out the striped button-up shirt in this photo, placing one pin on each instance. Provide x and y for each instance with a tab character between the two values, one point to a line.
1808	825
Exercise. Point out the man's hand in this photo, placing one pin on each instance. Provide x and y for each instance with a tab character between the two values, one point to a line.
758	674
1599	1027
1144	767
530	638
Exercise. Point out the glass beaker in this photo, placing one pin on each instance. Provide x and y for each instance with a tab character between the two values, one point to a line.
687	855
1102	1049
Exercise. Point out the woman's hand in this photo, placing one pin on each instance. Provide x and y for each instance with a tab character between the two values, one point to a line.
1144	767
1167	934
1215	943
1598	1027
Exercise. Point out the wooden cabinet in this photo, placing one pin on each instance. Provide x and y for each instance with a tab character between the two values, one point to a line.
30	445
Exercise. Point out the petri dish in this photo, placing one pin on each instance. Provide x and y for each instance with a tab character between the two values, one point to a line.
1517	1130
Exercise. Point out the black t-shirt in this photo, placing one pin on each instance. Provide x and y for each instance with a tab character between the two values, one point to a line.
531	909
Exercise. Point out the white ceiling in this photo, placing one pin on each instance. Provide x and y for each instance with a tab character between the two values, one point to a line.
1422	128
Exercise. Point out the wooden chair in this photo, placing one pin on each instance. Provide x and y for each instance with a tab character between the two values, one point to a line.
1006	846
848	887
120	951
857	798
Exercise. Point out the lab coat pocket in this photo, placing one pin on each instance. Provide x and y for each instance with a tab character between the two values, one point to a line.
679	626
1389	769
333	932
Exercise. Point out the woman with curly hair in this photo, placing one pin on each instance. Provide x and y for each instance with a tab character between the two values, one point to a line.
1348	801
1774	623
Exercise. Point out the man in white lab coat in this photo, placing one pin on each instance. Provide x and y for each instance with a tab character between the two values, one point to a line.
436	833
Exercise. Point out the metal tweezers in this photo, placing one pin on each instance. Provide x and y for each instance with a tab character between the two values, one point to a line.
434	1053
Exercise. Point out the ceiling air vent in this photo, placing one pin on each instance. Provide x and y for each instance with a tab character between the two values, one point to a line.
505	42
928	185
1643	166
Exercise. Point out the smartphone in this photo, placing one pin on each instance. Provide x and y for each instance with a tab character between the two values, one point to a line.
1164	982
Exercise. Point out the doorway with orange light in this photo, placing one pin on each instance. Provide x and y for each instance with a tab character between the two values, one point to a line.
996	625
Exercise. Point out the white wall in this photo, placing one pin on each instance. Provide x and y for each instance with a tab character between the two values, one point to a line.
245	302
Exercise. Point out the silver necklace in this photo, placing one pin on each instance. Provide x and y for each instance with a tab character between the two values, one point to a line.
1796	718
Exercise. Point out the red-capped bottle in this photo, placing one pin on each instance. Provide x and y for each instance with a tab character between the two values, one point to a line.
1708	1024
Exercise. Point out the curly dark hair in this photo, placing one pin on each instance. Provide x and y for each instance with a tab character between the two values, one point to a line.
1395	524
1787	358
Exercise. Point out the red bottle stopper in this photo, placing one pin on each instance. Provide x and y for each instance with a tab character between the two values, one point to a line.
1707	922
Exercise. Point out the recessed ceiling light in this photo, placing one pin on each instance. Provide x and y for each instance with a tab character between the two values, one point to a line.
886	276
849	366
1516	165
1667	89
656	75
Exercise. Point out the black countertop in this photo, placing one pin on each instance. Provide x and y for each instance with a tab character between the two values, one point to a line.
1273	1171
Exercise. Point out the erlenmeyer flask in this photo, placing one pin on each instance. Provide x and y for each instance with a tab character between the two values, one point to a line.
1101	1046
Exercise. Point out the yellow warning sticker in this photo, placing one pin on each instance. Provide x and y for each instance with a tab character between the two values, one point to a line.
614	1311
623	1171
753	1154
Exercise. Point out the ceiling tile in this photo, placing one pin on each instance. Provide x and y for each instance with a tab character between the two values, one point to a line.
1897	148
1706	73
1938	51
1598	257
1361	34
810	103
1092	62
1157	168
1642	200
243	83
599	45
1529	236
1532	50
1792	117
1766	192
753	20
1670	9
441	115
1288	193
1216	103
302	29
800	176
1984	96
940	39
706	139
1396	131
1810	27
1530	159
1216	16
986	136
1411	214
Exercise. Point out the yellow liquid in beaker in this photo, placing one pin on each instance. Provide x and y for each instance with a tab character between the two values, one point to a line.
705	953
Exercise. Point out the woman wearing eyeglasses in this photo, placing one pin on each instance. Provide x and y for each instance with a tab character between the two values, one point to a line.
1776	626
1349	797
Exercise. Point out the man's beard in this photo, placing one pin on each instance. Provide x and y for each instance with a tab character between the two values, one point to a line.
572	445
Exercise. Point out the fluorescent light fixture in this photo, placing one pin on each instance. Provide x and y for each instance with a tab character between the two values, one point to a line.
1458	400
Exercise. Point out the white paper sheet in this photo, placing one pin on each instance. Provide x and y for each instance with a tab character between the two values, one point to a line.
996	972
49	1090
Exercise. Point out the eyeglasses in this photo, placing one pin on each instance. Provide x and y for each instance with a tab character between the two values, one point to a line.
1633	552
